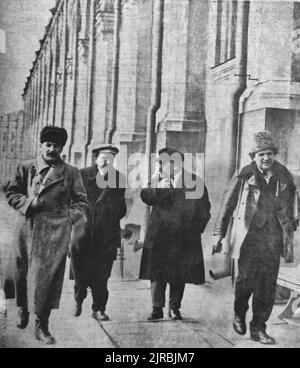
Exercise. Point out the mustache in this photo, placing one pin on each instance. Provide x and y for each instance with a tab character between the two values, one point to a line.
51	154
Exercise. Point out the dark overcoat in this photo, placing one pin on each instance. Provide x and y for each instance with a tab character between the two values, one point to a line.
94	251
172	246
240	202
42	237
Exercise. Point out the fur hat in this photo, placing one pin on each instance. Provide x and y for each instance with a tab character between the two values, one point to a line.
54	134
263	141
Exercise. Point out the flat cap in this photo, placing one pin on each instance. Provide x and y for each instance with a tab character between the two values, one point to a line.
54	134
107	147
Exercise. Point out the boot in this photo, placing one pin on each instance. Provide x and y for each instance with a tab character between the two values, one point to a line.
23	317
42	333
157	313
262	337
175	314
100	316
239	325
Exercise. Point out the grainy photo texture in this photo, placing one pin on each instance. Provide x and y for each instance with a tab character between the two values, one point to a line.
150	169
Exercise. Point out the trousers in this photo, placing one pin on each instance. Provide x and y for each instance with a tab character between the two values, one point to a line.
158	292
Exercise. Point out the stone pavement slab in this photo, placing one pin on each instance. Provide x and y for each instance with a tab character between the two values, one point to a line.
207	312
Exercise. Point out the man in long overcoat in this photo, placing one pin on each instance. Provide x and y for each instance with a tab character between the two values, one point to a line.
172	251
94	252
50	195
260	199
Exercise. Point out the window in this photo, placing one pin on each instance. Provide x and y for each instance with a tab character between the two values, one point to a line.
226	31
2	42
4	143
77	159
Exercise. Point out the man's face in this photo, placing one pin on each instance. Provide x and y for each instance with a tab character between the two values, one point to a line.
170	168
264	159
51	151
105	160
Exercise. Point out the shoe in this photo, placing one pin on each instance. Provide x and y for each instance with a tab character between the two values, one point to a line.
262	337
239	325
23	318
157	313
77	309
42	333
100	316
175	315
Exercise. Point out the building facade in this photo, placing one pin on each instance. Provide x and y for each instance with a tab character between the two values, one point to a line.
197	75
12	143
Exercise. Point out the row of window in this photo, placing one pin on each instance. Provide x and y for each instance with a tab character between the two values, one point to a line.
226	31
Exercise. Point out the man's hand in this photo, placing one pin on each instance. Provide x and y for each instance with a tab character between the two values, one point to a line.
217	248
164	183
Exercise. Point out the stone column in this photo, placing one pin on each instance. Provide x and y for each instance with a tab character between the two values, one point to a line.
71	74
272	98
181	118
104	28
134	75
80	123
60	50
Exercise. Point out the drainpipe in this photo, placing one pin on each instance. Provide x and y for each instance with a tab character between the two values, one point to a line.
241	74
157	49
115	72
158	15
65	55
91	75
75	72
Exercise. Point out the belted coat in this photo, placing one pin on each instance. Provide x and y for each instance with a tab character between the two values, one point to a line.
42	237
240	203
172	247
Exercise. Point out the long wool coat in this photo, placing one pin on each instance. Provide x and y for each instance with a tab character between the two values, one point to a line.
172	246
240	201
95	247
43	234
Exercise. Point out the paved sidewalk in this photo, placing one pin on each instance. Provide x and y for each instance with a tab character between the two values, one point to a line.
207	312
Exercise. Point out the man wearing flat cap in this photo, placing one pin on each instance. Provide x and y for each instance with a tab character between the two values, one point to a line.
261	200
172	252
93	254
50	195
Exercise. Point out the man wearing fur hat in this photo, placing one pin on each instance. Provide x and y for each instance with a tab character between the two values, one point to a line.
260	198
50	195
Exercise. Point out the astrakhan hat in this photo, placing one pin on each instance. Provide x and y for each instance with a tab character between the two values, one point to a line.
263	141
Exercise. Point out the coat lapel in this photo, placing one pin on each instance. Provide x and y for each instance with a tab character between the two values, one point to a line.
54	175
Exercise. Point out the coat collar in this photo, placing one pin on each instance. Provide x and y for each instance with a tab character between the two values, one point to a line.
41	164
53	176
284	177
92	173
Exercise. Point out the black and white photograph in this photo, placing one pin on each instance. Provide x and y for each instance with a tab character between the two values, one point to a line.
149	177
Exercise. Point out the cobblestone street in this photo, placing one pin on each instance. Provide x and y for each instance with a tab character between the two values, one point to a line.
207	312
